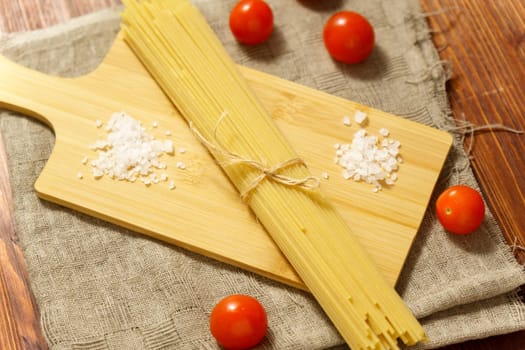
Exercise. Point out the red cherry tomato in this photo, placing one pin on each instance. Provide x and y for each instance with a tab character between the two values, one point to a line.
348	37
251	21
238	322
460	209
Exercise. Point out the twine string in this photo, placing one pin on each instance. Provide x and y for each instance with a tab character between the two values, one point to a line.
265	171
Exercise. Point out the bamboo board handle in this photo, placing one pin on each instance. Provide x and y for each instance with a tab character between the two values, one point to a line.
27	91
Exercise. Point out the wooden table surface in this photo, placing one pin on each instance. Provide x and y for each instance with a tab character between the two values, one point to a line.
485	43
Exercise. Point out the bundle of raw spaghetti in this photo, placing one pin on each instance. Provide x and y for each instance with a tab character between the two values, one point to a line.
182	53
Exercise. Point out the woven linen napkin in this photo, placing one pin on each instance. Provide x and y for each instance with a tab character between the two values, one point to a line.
103	287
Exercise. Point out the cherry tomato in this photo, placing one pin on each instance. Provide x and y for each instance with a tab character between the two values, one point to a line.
460	209
348	37
238	322
251	21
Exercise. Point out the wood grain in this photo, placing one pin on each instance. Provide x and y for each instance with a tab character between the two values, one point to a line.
23	15
19	317
486	42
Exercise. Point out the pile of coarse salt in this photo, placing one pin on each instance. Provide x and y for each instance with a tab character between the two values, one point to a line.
369	158
129	153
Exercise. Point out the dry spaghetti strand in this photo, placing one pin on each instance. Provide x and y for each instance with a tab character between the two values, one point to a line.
185	57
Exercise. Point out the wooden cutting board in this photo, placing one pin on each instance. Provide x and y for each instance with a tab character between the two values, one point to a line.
204	213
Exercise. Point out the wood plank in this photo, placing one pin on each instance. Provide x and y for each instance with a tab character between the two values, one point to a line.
484	40
24	15
19	317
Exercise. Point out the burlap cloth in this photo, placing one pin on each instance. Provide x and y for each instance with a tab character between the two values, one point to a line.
102	287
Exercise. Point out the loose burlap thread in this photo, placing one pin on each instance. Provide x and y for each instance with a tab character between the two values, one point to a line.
103	287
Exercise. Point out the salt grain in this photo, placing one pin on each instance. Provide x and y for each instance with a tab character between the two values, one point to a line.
155	179
360	117
346	121
384	132
97	173
168	147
